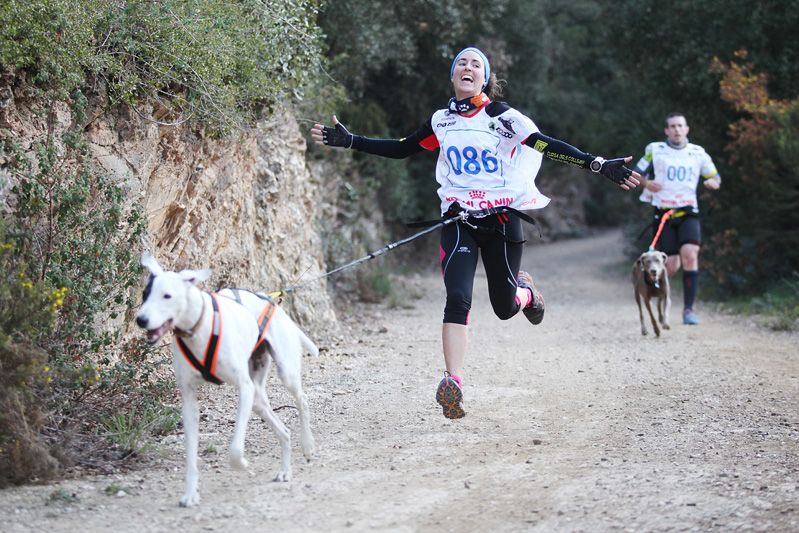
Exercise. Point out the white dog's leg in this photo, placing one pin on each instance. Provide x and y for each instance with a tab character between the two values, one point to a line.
263	408
191	430
246	394
287	350
293	383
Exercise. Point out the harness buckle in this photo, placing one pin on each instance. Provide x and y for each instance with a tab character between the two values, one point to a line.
464	217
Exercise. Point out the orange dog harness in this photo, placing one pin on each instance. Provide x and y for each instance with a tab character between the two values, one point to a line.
207	366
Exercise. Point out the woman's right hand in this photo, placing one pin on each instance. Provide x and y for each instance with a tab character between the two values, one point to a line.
337	136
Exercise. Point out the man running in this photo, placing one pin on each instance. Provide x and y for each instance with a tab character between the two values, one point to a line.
677	166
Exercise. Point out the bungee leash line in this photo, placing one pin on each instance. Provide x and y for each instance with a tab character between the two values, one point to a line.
663	220
372	255
453	215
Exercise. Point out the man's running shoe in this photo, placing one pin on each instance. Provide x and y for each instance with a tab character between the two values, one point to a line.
450	396
535	311
689	317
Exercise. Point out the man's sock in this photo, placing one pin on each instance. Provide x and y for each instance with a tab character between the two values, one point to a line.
690	279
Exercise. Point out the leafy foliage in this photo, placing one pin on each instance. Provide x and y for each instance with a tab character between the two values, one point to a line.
70	264
220	63
68	252
764	150
27	311
601	76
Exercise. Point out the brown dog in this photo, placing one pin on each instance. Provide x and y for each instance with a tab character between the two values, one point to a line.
650	280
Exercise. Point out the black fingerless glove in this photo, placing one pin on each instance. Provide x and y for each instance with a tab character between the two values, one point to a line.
338	136
613	169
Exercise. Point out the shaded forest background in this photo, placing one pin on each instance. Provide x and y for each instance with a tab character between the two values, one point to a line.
600	75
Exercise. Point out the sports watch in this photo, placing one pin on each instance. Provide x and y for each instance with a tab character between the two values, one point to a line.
596	164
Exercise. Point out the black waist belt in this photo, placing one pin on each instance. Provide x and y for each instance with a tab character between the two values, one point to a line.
677	212
455	210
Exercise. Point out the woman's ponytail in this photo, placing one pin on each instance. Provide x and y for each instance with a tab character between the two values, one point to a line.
495	89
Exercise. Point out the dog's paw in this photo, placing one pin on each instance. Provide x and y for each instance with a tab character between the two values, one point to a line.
239	462
190	499
308	447
666	326
644	332
282	476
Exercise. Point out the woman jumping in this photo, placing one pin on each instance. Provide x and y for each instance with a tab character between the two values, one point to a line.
489	155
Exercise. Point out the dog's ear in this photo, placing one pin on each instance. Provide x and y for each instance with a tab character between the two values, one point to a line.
149	262
665	257
194	276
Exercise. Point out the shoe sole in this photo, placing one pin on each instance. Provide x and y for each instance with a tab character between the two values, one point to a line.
450	397
534	315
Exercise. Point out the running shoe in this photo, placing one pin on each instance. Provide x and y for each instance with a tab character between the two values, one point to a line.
689	317
535	311
450	397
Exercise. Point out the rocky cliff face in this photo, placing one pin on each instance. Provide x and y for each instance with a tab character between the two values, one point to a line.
244	207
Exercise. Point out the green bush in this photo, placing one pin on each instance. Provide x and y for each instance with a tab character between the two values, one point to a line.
219	63
70	391
68	253
27	311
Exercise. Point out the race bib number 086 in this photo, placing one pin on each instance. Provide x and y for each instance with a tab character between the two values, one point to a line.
467	161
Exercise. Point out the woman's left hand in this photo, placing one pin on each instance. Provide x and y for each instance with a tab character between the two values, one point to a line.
615	171
337	136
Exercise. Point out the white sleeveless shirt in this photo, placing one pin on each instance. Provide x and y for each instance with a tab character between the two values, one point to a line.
678	171
482	163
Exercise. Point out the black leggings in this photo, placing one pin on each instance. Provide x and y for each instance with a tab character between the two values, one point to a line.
501	248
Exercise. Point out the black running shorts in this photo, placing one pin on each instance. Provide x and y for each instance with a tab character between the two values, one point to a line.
678	231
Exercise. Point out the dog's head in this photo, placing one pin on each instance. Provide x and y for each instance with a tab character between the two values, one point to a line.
165	298
653	265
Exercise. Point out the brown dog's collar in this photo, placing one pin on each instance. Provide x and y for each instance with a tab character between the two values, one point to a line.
190	333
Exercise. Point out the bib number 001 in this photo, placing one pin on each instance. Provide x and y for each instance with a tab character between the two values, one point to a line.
468	161
680	173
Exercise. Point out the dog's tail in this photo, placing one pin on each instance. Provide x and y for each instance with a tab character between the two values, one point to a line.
307	343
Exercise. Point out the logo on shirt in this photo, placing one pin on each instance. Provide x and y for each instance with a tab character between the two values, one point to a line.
539	146
492	125
507	123
477	194
444	124
504	133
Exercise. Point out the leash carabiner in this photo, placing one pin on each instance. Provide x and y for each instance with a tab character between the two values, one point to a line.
463	217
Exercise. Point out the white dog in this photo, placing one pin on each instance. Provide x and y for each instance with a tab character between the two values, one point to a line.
223	338
651	281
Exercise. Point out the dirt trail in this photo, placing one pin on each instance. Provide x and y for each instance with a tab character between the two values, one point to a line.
578	424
